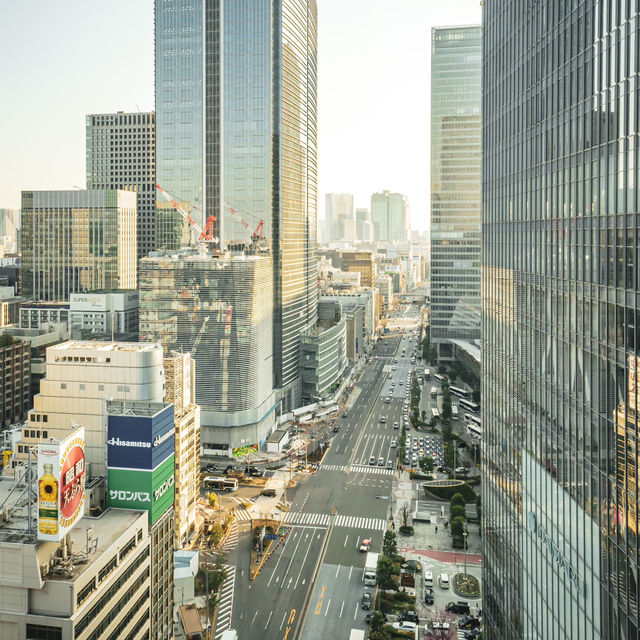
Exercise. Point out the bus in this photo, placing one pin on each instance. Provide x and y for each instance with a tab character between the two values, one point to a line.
221	484
468	405
455	414
440	378
474	430
434	392
427	374
461	393
435	413
326	412
469	419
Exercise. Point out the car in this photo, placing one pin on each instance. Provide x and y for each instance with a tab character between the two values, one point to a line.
394	444
381	461
459	607
393	368
345	414
468	622
390	464
472	633
383	419
372	460
269	493
409	616
401	383
366	600
396	425
428	595
406	461
405	626
387	400
364	545
462	471
443	580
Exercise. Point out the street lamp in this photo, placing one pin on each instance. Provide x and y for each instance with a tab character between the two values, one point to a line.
465	533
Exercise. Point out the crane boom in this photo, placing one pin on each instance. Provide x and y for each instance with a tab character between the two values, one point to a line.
196	342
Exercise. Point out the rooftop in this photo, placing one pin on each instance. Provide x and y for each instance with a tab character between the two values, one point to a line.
95	345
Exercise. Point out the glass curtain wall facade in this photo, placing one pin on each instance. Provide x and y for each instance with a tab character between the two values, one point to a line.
455	186
242	77
561	268
389	216
76	241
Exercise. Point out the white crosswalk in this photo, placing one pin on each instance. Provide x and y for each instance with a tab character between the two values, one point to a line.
225	608
323	519
354	468
232	539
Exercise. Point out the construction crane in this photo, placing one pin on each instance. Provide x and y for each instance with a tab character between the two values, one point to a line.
206	234
196	342
258	233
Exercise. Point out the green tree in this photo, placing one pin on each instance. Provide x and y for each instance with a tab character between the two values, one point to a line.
475	396
389	544
457	498
457	527
426	464
212	498
379	635
377	621
384	573
457	511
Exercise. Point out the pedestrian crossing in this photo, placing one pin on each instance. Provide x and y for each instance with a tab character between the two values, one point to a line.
232	539
355	468
323	520
225	606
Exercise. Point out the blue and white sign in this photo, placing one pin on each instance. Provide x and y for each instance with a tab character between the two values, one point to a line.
140	442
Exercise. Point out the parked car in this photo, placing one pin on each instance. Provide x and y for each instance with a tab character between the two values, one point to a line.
462	471
472	633
410	616
468	622
428	595
459	607
366	601
405	626
270	493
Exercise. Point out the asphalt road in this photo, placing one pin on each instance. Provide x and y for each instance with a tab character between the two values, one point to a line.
346	501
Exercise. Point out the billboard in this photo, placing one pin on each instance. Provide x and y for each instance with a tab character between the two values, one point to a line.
61	480
140	442
151	491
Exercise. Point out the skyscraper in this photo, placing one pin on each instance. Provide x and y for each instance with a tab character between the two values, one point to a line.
455	187
339	217
77	241
121	154
560	320
256	169
389	216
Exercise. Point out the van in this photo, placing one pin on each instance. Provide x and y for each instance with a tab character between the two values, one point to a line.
428	579
269	493
443	580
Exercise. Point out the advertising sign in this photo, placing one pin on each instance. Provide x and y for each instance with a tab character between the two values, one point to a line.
151	491
61	480
140	442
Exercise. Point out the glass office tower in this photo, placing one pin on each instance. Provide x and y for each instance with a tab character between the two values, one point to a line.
236	139
455	187
561	257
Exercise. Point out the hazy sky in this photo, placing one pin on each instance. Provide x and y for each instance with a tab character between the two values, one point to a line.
62	60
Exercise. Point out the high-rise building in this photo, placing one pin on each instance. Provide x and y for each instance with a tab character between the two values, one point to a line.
121	154
77	241
339	217
219	309
180	372
80	378
362	262
364	226
560	320
389	217
15	380
250	147
455	187
9	223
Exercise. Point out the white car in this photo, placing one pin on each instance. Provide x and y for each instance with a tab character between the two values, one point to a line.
405	626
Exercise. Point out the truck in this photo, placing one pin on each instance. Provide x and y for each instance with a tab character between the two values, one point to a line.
356	634
370	568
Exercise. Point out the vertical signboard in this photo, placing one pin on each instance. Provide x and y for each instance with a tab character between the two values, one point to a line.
61	480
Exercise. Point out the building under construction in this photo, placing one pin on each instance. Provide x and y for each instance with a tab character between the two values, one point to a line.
219	308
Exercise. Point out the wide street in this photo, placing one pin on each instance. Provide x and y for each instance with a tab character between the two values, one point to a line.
346	501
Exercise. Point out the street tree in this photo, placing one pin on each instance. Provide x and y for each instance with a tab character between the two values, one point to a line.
457	527
426	464
457	511
212	499
457	498
377	621
384	573
389	544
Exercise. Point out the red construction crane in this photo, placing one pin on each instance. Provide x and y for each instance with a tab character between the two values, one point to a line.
258	233
206	234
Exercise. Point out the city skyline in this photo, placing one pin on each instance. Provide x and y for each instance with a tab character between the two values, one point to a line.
357	49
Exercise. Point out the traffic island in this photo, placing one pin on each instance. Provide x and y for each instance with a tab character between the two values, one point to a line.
266	536
466	585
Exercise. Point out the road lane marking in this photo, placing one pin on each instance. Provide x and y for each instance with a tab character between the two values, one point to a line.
283	619
345	540
337	571
341	608
254	617
280	558
268	620
350	571
327	609
355	613
320	600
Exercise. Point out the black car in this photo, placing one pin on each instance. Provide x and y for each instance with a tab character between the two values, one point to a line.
367	600
336	429
428	595
468	622
458	607
269	493
368	616
409	616
473	633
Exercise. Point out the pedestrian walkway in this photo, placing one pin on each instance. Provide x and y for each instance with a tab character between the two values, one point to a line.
232	539
354	468
244	500
225	607
323	520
